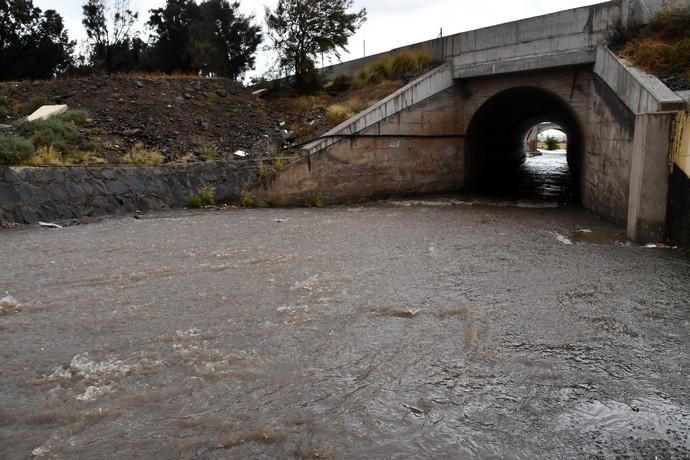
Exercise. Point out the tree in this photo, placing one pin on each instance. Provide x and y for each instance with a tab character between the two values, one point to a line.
303	29
171	27
114	43
33	44
211	37
224	40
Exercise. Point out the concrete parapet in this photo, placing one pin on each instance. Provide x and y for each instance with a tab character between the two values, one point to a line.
639	91
523	64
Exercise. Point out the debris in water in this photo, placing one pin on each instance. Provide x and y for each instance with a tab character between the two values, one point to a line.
278	221
660	246
8	304
92	392
584	230
49	225
562	239
240	153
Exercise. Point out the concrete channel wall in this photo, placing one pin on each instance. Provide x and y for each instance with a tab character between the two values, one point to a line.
679	187
30	194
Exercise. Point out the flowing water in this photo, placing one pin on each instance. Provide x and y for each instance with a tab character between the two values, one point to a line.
395	330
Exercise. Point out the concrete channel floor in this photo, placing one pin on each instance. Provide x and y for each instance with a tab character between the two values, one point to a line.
406	329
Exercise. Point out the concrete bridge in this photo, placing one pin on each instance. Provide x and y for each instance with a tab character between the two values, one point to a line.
454	128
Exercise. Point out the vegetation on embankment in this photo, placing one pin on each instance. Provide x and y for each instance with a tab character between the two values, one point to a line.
340	98
135	119
661	48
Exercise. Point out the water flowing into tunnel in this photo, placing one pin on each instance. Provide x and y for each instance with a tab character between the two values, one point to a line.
496	147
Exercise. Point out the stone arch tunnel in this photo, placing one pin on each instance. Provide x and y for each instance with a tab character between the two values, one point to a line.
495	137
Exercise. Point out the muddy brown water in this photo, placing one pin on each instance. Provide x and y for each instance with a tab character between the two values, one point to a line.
404	329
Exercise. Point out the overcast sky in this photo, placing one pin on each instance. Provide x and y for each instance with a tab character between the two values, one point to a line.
390	23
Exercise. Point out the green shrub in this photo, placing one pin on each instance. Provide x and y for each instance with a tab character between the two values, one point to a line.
194	201
208	153
34	104
78	117
53	132
15	150
671	23
4	108
551	143
313	199
278	164
678	59
249	200
208	195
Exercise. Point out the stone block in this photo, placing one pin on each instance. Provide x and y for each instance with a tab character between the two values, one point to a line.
8	194
46	112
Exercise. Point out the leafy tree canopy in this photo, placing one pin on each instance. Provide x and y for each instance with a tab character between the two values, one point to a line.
33	44
211	37
109	24
303	29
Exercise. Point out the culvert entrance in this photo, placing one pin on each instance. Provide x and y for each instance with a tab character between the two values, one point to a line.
510	149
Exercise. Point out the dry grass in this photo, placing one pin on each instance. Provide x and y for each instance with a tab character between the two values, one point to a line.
664	46
649	55
337	113
46	156
392	67
140	155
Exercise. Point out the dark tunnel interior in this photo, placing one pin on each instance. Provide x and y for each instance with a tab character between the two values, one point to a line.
495	147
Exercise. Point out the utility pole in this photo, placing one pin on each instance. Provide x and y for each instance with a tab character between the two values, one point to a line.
364	44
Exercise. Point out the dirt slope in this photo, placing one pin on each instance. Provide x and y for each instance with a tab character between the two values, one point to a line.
176	115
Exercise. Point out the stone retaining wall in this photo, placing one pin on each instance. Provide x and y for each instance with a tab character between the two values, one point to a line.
30	194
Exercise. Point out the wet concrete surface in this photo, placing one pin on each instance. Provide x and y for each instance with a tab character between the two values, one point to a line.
401	329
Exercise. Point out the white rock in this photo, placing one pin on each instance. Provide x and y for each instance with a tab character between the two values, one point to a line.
240	153
47	111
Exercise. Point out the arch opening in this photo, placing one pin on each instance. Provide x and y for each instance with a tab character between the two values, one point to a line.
503	157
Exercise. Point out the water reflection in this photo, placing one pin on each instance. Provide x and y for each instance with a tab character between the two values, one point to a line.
545	177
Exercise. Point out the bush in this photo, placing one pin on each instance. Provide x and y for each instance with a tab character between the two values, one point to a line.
392	67
337	113
53	132
208	195
4	108
340	82
663	47
46	156
78	117
34	104
552	143
194	201
208	153
15	150
314	199
671	23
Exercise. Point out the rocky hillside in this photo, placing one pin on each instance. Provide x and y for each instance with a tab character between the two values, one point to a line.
181	117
